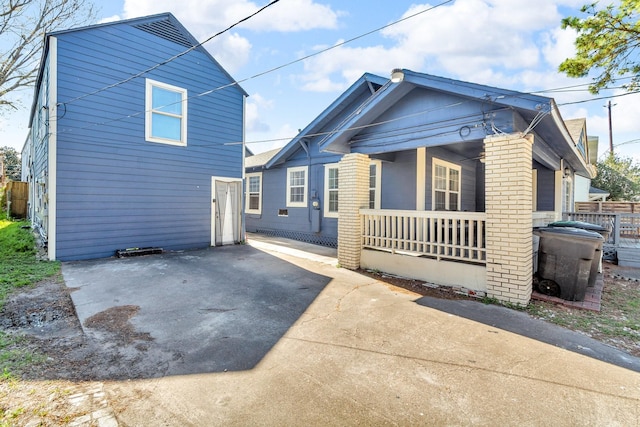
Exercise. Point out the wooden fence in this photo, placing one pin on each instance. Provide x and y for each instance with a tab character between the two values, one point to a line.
608	207
17	197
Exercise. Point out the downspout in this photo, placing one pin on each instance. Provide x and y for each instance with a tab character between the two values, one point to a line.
244	181
305	146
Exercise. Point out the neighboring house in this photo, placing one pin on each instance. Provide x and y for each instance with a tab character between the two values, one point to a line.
127	144
597	195
427	177
588	147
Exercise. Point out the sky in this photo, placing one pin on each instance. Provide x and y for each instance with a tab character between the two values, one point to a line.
511	44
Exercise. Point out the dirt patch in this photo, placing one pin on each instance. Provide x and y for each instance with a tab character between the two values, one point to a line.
419	287
45	320
115	320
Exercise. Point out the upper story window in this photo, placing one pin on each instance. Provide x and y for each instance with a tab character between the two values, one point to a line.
253	202
166	113
446	186
331	190
297	187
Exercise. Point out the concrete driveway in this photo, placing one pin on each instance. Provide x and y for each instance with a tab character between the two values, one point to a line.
211	310
349	351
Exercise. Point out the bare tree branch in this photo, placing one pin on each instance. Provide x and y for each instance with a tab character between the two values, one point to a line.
23	25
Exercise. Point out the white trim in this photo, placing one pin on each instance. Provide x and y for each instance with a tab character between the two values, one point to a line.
302	204
327	167
213	204
378	187
52	166
450	166
421	178
149	85
247	209
558	181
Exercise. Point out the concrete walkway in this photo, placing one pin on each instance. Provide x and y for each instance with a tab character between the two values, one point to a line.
364	353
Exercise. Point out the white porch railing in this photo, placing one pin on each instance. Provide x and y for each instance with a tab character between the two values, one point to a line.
442	235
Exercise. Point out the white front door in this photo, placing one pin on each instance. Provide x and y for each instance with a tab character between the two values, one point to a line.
226	208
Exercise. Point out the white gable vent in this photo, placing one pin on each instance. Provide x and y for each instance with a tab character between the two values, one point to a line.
167	31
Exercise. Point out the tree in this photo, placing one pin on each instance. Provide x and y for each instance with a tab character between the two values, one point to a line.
23	24
12	164
620	177
608	41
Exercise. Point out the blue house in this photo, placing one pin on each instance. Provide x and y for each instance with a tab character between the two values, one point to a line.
127	142
424	176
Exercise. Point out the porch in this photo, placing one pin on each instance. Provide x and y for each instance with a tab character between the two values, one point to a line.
448	248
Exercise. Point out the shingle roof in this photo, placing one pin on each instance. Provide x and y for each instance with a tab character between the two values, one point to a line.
260	159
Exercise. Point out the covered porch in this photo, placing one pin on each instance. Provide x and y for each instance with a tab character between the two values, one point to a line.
487	253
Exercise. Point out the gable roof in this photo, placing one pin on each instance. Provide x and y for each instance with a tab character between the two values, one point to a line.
260	159
575	128
534	109
163	25
367	83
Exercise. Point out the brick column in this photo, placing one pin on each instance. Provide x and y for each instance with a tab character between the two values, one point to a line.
353	182
508	195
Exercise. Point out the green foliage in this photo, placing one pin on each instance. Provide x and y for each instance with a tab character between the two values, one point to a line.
18	264
14	355
12	163
620	177
607	41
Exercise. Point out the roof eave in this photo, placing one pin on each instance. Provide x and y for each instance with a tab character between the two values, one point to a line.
311	128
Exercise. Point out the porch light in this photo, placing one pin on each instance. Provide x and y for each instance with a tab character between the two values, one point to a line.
397	75
567	172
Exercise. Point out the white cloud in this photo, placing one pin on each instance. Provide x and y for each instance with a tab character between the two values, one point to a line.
280	138
204	18
485	41
112	18
558	44
231	50
215	15
254	106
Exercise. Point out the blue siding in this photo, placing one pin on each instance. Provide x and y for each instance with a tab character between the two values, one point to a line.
399	182
546	188
115	190
274	187
427	118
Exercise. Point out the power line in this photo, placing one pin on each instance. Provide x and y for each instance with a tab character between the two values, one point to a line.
599	98
237	82
173	58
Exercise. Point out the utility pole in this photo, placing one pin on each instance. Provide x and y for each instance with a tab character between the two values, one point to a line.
610	130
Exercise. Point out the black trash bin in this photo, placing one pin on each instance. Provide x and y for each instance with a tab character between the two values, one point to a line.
565	259
604	232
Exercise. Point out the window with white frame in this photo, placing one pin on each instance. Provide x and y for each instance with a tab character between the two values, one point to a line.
166	113
567	205
375	175
331	190
253	195
297	187
446	186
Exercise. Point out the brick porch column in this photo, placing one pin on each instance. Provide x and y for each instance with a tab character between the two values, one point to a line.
353	181
508	194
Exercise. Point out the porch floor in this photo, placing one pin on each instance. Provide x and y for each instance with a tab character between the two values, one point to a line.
592	297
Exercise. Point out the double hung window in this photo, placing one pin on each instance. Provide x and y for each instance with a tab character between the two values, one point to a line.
166	113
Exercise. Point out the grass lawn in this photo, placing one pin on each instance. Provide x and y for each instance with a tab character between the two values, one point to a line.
19	267
18	264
